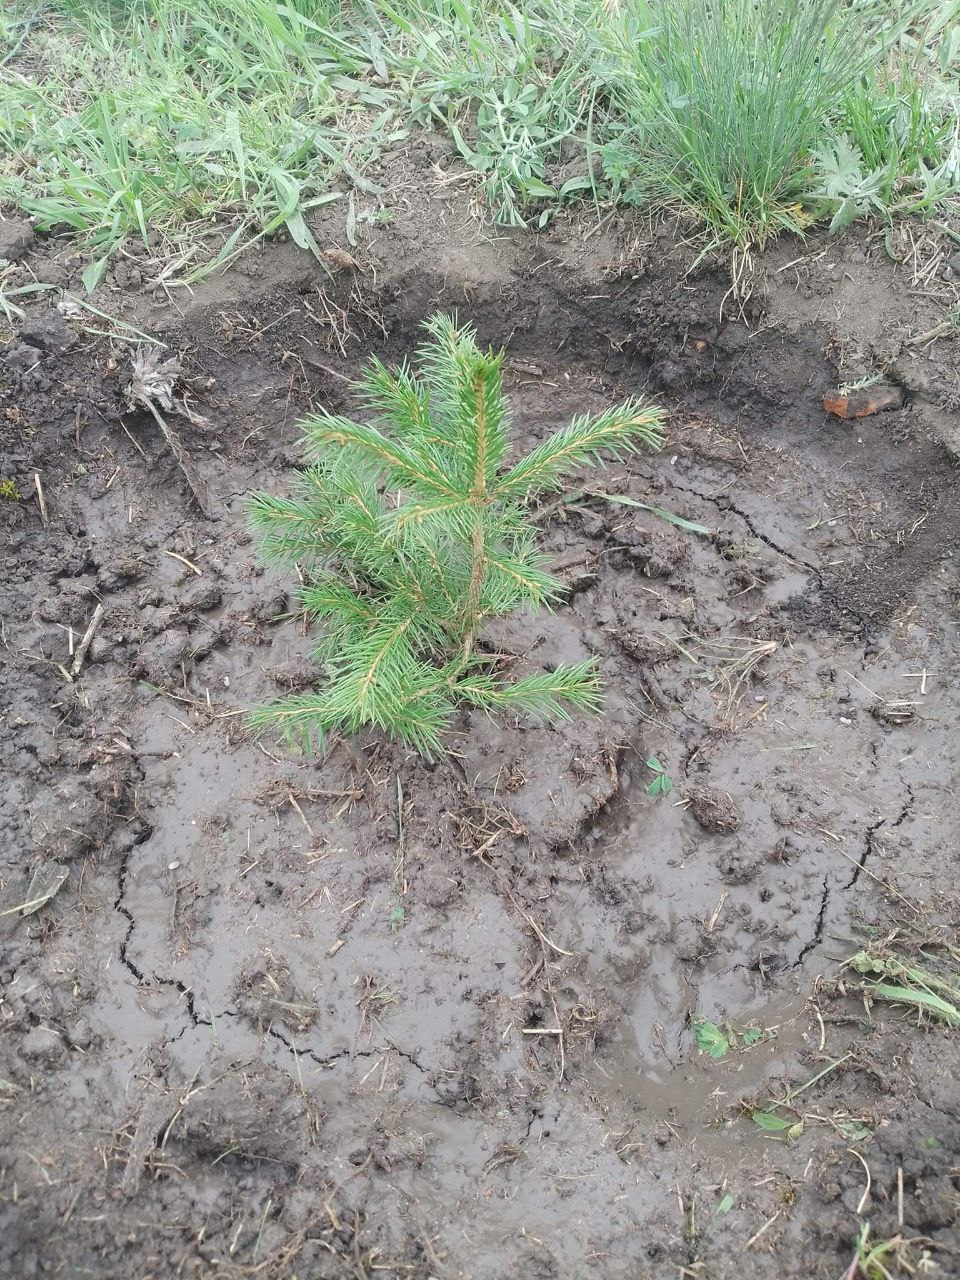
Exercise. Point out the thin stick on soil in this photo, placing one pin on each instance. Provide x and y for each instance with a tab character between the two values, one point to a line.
866	1191
301	815
766	1226
545	942
26	907
44	517
86	641
832	1066
938	331
398	915
175	444
175	555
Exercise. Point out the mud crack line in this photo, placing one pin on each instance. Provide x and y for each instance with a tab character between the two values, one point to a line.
729	506
869	843
188	1001
344	1053
121	906
868	851
818	928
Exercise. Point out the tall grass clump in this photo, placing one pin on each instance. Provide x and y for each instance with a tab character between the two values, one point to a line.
410	532
724	102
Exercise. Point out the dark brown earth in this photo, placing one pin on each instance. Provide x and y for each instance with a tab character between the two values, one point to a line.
362	1016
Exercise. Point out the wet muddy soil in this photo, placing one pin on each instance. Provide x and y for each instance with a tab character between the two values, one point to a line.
360	1015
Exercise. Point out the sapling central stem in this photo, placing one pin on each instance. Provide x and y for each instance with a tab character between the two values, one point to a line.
478	559
478	566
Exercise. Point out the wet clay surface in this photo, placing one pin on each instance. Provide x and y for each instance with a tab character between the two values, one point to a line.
360	1015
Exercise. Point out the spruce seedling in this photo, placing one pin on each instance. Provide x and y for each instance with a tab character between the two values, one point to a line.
411	531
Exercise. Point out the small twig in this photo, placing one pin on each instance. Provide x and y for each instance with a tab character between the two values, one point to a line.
175	555
197	487
769	1223
85	643
544	942
938	331
400	861
866	1190
301	815
26	907
832	1066
884	884
41	499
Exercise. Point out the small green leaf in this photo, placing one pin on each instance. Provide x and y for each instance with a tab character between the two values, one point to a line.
654	764
923	1000
538	190
795	1130
94	273
771	1123
583	183
750	1036
397	917
725	1205
854	1130
690	525
710	1039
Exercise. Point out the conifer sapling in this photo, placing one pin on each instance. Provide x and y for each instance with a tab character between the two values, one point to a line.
411	531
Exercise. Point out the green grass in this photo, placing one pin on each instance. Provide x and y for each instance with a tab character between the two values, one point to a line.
886	977
201	127
126	122
511	83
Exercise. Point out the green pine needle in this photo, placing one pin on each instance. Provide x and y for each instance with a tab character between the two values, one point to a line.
411	532
549	695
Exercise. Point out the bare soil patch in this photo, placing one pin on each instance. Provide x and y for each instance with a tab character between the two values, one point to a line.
361	1016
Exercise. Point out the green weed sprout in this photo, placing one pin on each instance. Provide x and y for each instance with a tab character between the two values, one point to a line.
411	532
